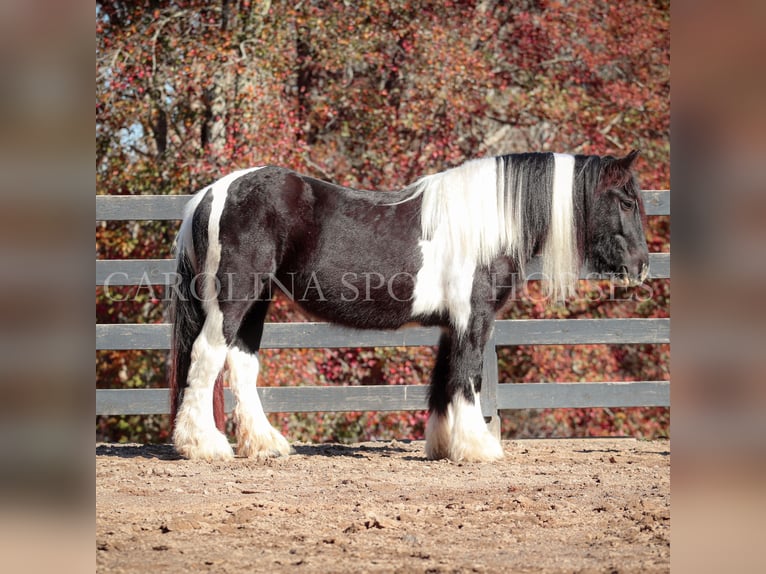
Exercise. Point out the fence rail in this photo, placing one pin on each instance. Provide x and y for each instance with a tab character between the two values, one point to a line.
145	272
325	335
495	396
403	397
170	207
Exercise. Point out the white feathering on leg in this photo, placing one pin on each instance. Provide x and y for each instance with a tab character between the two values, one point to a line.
255	435
195	435
471	440
438	431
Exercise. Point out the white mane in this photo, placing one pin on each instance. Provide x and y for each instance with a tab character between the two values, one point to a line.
470	215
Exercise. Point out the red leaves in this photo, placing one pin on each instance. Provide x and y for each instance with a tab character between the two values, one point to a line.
646	423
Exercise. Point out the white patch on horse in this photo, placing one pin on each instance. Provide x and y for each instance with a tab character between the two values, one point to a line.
213	257
470	439
459	230
195	435
184	239
561	265
255	435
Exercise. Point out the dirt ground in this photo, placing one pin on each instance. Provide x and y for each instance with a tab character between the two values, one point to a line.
587	505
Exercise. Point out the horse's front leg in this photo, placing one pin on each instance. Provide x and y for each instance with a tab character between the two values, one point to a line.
456	427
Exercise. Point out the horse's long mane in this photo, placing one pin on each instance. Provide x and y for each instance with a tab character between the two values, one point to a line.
515	205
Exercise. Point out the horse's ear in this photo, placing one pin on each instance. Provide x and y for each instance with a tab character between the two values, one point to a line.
627	161
617	170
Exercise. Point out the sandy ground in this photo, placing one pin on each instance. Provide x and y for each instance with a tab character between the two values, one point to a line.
588	505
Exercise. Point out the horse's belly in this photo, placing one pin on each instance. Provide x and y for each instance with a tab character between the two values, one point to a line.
361	299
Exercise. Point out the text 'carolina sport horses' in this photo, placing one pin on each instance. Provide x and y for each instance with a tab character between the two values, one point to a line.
443	251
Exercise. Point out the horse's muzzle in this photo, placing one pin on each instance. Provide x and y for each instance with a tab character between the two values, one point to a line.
627	279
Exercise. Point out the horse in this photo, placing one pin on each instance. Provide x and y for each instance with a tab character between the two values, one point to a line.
442	251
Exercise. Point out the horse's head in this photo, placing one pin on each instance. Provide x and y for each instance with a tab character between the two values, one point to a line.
616	242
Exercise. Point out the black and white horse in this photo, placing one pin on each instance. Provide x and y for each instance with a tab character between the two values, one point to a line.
443	251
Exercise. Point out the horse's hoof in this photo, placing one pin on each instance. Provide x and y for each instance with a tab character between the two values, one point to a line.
276	453
205	452
197	443
276	447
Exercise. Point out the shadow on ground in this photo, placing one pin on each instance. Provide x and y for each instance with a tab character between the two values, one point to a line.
166	451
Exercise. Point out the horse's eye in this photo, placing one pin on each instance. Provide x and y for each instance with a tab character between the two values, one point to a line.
626	205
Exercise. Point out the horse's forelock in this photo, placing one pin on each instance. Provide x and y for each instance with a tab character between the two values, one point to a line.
616	174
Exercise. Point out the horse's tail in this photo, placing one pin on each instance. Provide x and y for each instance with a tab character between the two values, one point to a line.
187	317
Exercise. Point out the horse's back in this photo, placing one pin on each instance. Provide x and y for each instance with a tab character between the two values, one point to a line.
343	254
269	188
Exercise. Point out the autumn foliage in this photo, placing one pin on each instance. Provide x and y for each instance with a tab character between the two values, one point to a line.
373	95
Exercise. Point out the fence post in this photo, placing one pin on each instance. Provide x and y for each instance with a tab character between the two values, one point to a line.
489	382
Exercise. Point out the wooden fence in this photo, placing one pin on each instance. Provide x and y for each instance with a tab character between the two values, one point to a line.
495	396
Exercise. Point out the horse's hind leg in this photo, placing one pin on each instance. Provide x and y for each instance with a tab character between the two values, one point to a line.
195	434
255	435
